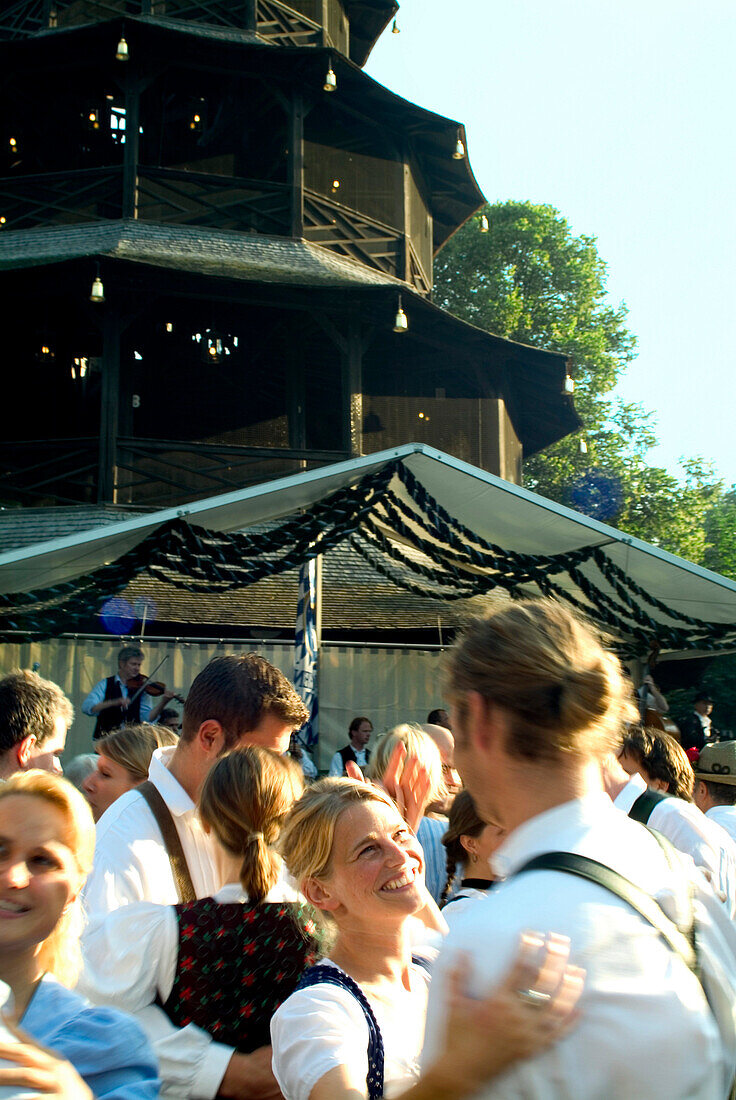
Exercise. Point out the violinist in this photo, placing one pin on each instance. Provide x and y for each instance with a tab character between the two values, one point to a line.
118	701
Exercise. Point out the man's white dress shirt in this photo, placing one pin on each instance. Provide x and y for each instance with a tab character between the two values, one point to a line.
97	695
131	865
725	816
645	1029
337	768
709	845
131	862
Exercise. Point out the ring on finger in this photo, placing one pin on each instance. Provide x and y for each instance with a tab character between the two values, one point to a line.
533	997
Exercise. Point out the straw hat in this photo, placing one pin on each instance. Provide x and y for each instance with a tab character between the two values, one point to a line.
717	763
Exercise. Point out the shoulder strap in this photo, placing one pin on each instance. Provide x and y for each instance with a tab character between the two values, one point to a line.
315	975
645	803
172	842
573	864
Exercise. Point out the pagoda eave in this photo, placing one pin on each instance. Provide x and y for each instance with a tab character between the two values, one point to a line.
153	43
145	259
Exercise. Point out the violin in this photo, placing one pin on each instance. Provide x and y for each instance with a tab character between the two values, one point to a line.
140	683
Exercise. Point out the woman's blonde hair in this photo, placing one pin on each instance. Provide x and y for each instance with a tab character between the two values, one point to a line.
564	693
133	746
244	800
60	953
308	833
418	744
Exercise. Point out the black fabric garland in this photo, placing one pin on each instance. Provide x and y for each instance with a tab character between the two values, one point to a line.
383	515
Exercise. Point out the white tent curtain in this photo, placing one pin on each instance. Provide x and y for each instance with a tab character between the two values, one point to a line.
388	685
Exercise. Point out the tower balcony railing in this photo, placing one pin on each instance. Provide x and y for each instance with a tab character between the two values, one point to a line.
160	473
61	198
161	194
180	197
176	197
40	471
274	20
149	473
365	239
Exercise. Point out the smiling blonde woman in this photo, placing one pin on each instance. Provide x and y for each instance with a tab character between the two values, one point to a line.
354	1027
46	846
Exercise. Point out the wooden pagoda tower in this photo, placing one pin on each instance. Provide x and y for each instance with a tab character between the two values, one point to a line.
213	225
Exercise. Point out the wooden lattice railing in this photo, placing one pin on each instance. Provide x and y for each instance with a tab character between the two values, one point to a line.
275	20
61	198
351	233
35	471
163	472
281	24
153	473
190	198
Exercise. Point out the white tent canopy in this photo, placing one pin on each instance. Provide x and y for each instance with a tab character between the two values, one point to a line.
495	510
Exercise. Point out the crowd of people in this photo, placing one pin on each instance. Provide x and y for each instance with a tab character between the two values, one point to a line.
531	894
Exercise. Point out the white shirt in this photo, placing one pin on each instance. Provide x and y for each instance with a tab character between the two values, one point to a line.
645	1029
725	816
323	1026
709	846
465	897
131	865
97	695
336	766
130	958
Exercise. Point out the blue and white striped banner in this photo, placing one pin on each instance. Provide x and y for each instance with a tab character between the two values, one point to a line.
305	652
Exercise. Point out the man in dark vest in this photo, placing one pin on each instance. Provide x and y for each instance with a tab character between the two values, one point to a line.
360	734
696	730
112	703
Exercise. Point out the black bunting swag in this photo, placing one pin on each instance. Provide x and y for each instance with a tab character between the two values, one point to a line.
405	534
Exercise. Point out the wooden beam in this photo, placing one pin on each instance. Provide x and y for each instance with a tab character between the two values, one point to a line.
404	271
131	148
109	404
296	397
296	163
352	389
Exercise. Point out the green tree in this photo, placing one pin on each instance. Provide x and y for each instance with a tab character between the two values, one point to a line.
720	532
531	279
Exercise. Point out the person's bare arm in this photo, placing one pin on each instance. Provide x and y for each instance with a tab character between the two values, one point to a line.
250	1077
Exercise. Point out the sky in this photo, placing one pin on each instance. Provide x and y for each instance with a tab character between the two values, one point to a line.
621	116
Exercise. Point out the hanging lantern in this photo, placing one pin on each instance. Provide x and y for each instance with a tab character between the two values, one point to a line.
401	321
121	54
330	80
569	385
484	225
459	153
97	293
396	29
583	446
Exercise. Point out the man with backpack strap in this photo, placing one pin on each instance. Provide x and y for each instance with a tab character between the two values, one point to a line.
690	831
537	705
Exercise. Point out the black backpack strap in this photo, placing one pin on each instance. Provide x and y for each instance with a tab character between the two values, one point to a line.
573	864
172	842
316	975
645	803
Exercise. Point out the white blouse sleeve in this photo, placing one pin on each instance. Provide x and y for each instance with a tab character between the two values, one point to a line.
315	1030
130	956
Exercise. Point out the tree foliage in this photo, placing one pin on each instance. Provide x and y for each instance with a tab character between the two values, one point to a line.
532	280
